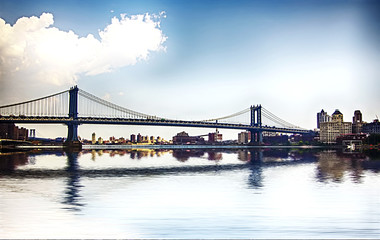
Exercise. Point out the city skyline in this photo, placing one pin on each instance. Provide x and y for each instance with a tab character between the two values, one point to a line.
194	60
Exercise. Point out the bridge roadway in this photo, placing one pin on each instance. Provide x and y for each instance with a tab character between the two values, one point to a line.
146	122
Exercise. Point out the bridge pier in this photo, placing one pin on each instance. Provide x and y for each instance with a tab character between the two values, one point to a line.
72	140
72	133
256	137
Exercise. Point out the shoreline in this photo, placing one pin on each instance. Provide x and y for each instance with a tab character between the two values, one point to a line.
116	147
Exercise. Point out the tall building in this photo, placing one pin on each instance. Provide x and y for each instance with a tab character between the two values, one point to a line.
357	116
334	128
322	117
357	122
133	138
244	137
93	139
215	136
32	133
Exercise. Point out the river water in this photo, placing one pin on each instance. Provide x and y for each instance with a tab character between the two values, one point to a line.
189	193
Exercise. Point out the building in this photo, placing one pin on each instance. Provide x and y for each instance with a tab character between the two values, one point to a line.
244	137
304	138
93	139
280	139
372	128
353	138
215	136
357	122
133	138
184	138
139	138
100	140
11	131
322	117
334	128
32	133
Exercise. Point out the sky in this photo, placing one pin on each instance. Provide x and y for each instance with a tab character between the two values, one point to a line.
194	60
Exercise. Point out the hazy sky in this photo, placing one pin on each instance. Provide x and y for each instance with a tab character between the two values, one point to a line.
188	59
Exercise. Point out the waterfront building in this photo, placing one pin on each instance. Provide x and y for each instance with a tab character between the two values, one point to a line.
215	136
244	137
357	122
32	133
334	128
305	138
133	138
93	139
139	138
100	140
270	134
322	117
353	138
184	138
372	128
11	131
282	139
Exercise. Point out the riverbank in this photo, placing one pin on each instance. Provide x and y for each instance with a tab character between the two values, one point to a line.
23	145
96	147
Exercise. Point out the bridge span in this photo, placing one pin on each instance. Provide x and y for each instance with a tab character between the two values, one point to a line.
75	107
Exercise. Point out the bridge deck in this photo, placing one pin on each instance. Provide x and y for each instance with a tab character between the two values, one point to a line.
152	122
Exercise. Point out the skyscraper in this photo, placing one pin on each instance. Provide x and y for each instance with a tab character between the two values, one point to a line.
133	138
322	117
357	122
357	116
93	140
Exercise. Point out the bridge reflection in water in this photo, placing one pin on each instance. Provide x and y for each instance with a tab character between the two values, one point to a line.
330	166
72	197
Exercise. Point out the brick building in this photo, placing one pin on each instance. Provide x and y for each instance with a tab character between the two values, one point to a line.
11	131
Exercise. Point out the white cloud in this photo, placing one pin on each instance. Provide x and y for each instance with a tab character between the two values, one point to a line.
34	53
107	97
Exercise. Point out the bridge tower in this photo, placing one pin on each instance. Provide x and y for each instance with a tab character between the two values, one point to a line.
256	116
72	134
256	134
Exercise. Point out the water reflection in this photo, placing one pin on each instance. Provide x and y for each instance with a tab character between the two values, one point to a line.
330	166
334	166
72	198
10	160
182	155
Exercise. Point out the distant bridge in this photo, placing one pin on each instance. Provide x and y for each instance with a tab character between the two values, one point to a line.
74	107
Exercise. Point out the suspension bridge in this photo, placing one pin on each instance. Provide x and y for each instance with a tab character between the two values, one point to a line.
74	107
